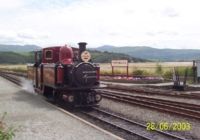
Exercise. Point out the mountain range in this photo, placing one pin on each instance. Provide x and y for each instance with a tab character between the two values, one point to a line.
16	54
154	54
18	48
132	53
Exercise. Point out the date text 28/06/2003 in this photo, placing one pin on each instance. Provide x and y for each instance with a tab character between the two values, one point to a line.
168	126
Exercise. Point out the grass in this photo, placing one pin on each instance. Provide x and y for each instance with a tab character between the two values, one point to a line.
15	68
6	132
164	69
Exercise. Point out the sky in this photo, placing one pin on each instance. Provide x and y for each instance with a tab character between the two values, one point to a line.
156	23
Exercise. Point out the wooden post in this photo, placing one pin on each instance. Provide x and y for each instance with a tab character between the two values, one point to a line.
112	71
127	71
194	68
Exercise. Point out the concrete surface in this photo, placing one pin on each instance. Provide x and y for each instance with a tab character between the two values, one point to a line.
133	84
37	120
156	85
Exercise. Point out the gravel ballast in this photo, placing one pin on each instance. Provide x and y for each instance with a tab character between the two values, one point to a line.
145	115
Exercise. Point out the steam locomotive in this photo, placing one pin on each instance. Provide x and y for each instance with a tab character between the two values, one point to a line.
65	74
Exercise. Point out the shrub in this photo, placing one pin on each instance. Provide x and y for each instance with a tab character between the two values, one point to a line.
190	71
159	69
138	72
168	74
181	71
105	72
6	133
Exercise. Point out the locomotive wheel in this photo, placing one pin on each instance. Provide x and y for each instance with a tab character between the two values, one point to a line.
56	97
44	90
59	100
48	92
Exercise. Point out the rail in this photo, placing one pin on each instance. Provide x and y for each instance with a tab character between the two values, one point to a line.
129	126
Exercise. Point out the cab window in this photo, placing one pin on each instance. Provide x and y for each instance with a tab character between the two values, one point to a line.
48	54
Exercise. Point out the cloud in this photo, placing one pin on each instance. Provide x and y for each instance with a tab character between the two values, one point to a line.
11	4
9	39
114	22
21	37
48	4
29	34
170	12
165	33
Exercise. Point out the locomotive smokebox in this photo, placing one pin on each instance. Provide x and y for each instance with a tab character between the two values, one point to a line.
82	48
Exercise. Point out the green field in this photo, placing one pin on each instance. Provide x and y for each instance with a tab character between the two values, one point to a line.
16	68
148	68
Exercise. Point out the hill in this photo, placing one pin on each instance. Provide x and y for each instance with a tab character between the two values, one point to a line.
106	53
18	48
106	57
28	57
21	54
132	53
150	53
16	58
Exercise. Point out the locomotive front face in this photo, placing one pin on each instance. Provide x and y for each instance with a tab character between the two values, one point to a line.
84	74
78	71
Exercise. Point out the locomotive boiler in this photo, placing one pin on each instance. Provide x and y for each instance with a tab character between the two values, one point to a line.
65	74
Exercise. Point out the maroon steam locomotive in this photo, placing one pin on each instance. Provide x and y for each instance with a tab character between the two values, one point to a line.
66	75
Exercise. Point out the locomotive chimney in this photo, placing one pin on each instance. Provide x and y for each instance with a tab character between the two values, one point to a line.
82	48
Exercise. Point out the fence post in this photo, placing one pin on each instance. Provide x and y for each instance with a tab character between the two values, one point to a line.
112	71
194	69
127	71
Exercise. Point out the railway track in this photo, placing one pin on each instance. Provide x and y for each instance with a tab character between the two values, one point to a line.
156	92
132	129
11	78
157	100
185	109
